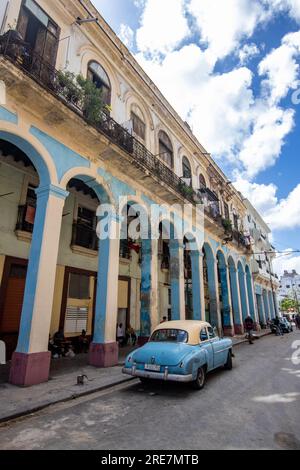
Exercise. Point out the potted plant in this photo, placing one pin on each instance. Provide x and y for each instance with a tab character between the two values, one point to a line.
227	224
69	88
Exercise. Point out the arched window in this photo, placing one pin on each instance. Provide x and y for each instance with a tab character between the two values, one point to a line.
97	75
187	171
202	182
165	149
138	122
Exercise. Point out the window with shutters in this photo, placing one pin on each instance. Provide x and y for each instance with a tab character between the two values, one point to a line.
226	211
187	171
39	31
97	75
138	123
79	286
165	149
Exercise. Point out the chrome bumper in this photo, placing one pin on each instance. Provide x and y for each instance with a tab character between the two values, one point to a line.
134	372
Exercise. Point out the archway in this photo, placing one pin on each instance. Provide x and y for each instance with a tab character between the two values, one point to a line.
137	240
38	209
243	291
89	256
212	306
170	272
224	295
250	293
235	297
266	305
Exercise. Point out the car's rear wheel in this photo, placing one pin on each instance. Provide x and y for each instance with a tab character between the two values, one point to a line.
199	383
228	364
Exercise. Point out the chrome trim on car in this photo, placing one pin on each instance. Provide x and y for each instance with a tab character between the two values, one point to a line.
222	350
157	375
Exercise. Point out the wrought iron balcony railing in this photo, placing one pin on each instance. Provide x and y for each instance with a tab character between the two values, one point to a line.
12	47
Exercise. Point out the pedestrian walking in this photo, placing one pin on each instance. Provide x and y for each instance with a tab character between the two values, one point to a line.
249	326
120	334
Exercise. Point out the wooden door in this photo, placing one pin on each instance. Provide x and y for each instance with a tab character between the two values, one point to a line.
12	294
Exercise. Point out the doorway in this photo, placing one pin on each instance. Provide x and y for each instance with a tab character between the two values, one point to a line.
11	303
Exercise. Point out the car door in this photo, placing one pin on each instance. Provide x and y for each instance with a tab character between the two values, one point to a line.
206	344
219	352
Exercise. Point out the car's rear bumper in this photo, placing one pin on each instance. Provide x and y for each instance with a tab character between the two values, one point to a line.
134	372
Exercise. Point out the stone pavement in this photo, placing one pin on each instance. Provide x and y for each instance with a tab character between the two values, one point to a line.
62	386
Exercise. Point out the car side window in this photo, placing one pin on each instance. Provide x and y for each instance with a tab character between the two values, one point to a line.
203	335
211	333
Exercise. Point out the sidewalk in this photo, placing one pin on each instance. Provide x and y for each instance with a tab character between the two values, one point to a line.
16	402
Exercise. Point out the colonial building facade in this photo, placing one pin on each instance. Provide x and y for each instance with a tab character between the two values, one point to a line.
60	158
266	282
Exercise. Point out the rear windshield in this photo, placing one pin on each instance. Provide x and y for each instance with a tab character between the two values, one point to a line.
169	335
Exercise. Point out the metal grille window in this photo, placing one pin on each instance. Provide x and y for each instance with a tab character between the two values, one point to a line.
76	319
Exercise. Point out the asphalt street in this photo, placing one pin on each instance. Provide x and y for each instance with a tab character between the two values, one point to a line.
254	406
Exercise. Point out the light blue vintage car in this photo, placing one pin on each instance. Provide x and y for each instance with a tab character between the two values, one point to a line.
180	351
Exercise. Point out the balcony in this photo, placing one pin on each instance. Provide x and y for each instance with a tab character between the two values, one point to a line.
15	50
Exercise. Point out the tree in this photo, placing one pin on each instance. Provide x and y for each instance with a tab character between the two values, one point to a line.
288	304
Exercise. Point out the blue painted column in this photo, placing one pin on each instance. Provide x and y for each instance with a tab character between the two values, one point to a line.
236	301
261	309
197	285
214	303
271	303
227	317
251	300
146	289
243	295
177	280
31	361
266	305
104	348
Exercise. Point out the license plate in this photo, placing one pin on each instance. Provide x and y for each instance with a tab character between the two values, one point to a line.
152	367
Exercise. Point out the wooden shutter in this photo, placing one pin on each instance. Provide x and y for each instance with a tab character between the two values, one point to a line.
23	22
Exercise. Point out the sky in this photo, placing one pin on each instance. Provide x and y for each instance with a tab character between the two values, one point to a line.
231	69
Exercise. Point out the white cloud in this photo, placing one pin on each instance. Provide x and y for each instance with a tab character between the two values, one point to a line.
280	214
163	26
281	68
262	148
286	262
223	24
126	35
292	7
247	52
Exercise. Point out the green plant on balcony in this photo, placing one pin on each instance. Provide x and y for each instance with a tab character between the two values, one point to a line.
227	224
93	106
84	93
69	88
185	190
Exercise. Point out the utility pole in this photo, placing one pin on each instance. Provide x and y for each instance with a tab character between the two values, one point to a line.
272	285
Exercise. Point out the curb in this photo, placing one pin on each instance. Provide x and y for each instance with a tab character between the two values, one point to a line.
242	341
7	419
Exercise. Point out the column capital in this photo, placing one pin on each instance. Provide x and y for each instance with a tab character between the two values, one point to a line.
52	190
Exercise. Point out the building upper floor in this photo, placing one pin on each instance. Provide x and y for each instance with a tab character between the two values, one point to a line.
53	41
264	252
